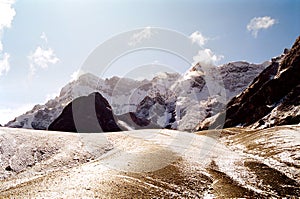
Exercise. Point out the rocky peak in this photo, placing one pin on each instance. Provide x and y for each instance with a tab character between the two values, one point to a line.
90	113
266	101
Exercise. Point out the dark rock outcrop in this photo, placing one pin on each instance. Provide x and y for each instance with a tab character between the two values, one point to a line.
90	113
272	99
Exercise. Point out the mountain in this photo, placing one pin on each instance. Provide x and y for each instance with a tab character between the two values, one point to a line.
90	113
272	99
195	101
169	100
123	94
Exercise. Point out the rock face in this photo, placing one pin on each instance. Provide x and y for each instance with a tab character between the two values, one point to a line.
169	100
90	113
287	112
123	94
195	101
189	100
158	109
154	111
272	99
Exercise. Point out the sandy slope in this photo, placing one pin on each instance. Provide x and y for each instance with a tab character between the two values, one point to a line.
148	164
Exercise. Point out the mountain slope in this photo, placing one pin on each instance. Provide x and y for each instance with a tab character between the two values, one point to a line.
272	99
195	101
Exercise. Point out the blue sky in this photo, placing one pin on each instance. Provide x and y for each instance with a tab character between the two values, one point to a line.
45	42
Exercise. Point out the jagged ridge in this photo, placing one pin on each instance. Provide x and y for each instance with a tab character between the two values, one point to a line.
272	99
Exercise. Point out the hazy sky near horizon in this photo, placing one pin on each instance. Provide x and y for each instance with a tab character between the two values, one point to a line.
44	43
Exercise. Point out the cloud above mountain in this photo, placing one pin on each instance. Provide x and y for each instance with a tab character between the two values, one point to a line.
76	74
207	57
199	38
258	23
42	57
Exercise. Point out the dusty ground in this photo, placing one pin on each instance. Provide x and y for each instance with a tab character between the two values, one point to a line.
150	164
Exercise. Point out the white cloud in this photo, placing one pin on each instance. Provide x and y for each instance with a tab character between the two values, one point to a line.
198	38
137	38
258	23
76	74
207	58
42	58
7	14
4	64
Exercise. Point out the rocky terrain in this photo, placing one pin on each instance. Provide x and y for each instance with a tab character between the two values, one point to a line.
272	99
167	101
155	163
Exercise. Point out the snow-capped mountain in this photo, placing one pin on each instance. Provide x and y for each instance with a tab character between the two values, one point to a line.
196	101
123	94
189	100
169	100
